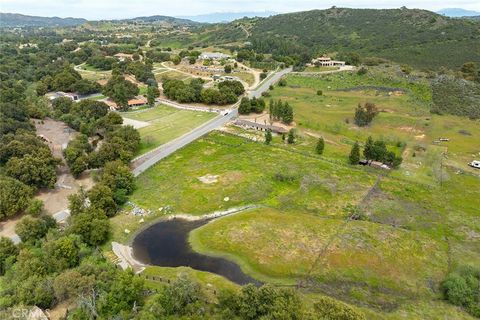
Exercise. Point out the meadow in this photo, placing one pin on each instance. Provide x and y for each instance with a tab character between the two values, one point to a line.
380	240
404	119
391	258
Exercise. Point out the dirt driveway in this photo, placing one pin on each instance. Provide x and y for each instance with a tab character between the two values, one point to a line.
58	134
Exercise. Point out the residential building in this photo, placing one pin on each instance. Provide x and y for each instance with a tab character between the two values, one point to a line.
213	56
258	126
327	62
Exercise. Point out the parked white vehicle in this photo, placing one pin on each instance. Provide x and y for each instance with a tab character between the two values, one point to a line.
475	164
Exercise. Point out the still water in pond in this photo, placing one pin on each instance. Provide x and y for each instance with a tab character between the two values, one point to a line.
166	244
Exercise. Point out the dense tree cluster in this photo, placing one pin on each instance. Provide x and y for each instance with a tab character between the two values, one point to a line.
14	196
226	93
377	150
141	70
248	105
364	114
120	143
120	90
280	110
28	159
158	55
83	116
101	62
68	80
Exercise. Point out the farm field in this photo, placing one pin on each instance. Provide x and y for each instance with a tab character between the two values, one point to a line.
165	123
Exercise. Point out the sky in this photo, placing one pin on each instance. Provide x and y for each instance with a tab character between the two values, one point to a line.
115	9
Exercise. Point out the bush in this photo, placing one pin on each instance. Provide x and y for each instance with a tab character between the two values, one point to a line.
328	308
462	288
456	96
35	207
319	92
362	71
365	114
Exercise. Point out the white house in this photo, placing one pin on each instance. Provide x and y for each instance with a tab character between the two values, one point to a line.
327	62
214	56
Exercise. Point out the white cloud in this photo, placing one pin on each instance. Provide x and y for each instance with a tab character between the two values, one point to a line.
108	9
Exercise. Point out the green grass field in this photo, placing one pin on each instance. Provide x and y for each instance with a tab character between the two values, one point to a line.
165	124
414	224
247	173
404	118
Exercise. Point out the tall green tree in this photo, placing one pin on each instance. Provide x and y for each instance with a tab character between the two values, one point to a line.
320	146
354	157
268	137
152	93
368	152
291	136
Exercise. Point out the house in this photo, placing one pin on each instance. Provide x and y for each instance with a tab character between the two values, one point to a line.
327	62
59	94
214	56
258	126
123	56
137	102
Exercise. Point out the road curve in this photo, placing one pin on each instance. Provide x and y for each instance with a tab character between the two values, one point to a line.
265	85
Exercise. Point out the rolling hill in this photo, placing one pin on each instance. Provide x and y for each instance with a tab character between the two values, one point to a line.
157	19
219	17
21	20
411	36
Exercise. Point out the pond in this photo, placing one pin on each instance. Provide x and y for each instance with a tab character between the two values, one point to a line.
166	244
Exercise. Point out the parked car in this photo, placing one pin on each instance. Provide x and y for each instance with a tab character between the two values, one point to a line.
475	164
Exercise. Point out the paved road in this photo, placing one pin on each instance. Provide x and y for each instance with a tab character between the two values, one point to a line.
142	163
264	86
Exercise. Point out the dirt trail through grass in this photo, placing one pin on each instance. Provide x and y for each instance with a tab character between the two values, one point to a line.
341	228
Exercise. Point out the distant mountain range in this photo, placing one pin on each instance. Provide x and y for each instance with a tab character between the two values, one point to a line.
21	20
458	12
218	17
157	19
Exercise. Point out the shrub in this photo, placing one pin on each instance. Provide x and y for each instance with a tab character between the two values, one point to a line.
328	308
462	288
364	114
